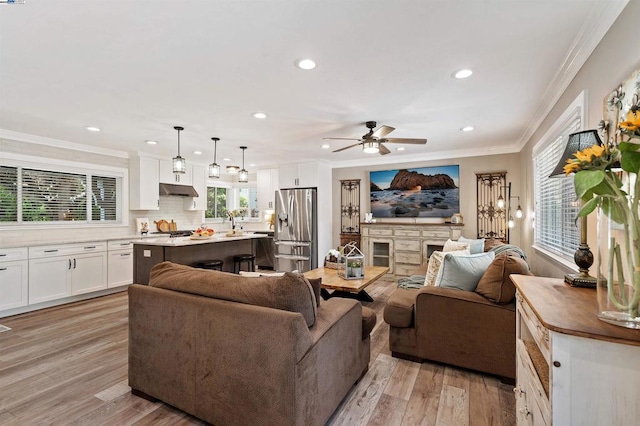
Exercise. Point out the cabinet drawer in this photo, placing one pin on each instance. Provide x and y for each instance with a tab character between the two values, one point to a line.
119	245
402	269
380	232
411	258
437	234
538	331
408	245
406	233
11	254
66	249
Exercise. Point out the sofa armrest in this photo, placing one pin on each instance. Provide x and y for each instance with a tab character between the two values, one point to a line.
456	294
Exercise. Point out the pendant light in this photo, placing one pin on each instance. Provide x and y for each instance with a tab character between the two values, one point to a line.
243	175
214	168
233	170
179	163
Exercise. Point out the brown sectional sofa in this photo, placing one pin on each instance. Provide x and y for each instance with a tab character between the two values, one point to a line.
460	328
233	350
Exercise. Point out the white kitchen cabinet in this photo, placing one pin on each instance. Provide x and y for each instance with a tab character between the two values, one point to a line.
267	184
302	175
14	278
167	175
143	183
199	182
61	271
120	263
572	368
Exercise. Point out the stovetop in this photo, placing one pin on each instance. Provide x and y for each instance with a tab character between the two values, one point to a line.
174	234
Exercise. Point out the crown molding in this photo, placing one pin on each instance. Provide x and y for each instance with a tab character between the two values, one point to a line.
42	140
600	19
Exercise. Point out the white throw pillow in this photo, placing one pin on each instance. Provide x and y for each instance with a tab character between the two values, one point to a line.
475	246
463	272
435	260
451	245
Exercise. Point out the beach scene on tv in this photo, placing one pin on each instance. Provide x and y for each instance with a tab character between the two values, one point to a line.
419	192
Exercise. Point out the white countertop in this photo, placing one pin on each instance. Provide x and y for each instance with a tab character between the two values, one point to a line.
187	241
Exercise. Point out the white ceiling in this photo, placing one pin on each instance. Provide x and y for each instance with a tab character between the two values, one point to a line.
137	68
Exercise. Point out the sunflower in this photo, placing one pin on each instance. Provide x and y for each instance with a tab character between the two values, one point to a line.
584	158
632	123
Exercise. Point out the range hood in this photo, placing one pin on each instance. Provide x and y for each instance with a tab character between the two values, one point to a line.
180	190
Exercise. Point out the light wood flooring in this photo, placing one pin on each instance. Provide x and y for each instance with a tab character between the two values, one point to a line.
68	366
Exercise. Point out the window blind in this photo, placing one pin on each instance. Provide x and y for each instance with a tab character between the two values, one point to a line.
8	194
104	198
556	206
53	196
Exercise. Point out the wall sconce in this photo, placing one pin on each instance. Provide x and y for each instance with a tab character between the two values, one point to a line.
583	256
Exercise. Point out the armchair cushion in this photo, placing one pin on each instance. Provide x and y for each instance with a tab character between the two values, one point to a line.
398	311
495	284
463	272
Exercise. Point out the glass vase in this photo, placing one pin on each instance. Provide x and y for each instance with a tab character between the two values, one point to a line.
618	287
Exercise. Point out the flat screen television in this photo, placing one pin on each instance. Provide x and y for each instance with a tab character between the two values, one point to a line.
417	192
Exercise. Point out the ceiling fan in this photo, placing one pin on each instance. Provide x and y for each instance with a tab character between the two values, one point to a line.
372	141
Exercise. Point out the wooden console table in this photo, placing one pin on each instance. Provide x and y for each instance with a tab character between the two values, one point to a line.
572	368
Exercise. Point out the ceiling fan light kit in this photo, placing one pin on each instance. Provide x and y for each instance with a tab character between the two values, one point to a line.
179	163
214	168
372	142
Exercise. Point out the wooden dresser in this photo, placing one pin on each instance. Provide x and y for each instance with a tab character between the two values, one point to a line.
572	368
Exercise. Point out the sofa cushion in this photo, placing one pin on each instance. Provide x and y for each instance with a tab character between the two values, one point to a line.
463	272
451	245
490	243
398	311
368	321
290	292
315	285
475	246
495	284
435	260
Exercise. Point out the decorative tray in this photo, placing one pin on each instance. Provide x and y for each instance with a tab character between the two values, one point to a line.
200	237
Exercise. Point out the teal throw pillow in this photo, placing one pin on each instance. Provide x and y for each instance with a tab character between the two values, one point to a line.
463	272
475	246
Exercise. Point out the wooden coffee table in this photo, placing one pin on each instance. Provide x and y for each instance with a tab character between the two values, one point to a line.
353	289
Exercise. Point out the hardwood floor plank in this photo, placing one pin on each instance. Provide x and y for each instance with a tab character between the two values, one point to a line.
402	380
388	411
507	404
484	401
114	391
454	407
422	408
166	415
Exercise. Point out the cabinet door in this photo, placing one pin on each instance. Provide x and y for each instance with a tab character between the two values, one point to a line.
88	272
49	279
288	176
14	284
120	268
267	183
199	179
167	175
143	184
381	253
307	175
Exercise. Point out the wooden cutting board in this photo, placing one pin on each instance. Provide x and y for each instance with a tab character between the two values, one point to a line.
163	225
173	226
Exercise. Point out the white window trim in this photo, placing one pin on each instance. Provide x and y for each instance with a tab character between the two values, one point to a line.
580	103
54	164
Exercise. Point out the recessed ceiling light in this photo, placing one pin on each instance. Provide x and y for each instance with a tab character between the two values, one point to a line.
151	142
197	152
326	146
400	148
462	74
259	115
93	129
252	164
467	128
226	159
305	64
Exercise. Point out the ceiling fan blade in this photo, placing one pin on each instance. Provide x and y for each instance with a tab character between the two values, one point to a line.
383	131
383	150
406	140
347	147
342	139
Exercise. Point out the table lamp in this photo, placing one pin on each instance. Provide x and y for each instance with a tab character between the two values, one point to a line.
583	256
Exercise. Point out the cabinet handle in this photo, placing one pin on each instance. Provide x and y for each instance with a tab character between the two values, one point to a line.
518	391
158	202
125	254
3	269
194	204
51	251
89	247
125	244
74	264
3	254
556	363
69	263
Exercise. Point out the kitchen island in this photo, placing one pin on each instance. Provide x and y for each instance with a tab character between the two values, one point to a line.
186	251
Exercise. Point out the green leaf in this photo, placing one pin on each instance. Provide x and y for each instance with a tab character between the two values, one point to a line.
602	189
614	209
631	162
589	207
628	146
585	180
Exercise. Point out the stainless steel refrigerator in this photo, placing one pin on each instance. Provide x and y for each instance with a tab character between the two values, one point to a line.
296	230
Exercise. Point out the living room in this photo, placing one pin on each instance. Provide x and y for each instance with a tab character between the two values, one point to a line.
594	59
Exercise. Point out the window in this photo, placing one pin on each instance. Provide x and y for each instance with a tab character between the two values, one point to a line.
31	195
216	203
556	206
248	199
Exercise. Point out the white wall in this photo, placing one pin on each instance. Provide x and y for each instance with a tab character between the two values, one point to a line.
613	61
469	166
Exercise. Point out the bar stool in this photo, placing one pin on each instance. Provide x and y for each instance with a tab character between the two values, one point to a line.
238	259
215	264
